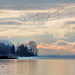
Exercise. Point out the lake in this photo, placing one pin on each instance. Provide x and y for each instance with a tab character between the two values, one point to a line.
37	67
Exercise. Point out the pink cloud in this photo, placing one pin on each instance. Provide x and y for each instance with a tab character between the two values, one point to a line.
58	46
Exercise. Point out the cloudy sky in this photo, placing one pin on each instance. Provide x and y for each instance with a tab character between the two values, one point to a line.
50	23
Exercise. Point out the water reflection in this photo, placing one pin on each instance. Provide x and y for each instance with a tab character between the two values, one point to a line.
37	67
26	67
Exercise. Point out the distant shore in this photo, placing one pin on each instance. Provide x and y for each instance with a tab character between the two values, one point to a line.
49	57
40	57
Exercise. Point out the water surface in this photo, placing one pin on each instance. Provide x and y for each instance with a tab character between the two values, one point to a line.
37	67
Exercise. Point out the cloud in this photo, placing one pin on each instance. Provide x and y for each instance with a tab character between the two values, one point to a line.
30	4
60	27
57	25
11	13
20	31
59	46
62	43
70	22
56	28
27	13
10	22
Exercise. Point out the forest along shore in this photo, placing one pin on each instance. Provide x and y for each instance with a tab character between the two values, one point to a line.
9	51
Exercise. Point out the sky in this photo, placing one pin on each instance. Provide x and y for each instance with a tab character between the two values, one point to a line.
50	23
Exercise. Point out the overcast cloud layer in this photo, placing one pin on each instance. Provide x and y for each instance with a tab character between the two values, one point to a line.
31	4
50	23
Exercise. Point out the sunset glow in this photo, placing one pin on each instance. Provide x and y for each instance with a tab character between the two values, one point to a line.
50	25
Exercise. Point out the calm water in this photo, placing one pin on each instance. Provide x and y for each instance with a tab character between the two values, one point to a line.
38	67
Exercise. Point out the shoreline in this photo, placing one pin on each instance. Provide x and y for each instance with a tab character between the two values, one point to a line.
40	57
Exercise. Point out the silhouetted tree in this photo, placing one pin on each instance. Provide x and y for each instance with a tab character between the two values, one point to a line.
22	51
13	49
6	47
33	47
27	50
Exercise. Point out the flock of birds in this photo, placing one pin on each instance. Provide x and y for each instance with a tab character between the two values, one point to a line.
42	16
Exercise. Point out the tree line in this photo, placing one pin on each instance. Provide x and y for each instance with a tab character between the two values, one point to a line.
29	49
